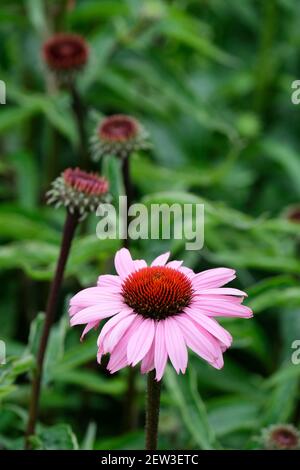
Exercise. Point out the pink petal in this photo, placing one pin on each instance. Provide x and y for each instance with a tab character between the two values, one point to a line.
110	280
91	296
148	361
118	357
212	278
140	341
117	364
124	264
187	271
214	298
203	345
111	323
95	313
161	260
160	351
222	291
118	332
174	264
221	308
139	264
210	325
89	327
175	345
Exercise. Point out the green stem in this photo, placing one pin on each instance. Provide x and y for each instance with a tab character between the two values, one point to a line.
68	234
152	411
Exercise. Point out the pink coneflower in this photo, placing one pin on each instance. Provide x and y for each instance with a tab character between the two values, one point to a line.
118	135
158	312
78	190
65	53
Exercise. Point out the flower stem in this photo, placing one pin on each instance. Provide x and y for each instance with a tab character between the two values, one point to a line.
68	234
79	115
152	411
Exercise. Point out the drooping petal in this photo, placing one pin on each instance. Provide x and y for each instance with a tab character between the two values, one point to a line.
161	260
111	323
140	341
124	264
213	278
147	363
118	357
89	327
160	350
118	331
210	325
95	313
175	344
202	344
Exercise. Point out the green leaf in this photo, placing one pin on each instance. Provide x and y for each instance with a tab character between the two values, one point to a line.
230	414
27	179
14	116
184	392
90	381
58	437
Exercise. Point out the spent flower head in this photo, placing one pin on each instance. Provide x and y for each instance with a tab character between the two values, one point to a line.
79	191
65	54
281	437
118	135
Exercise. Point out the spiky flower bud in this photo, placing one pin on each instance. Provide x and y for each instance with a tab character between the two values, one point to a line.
281	437
118	135
78	191
65	54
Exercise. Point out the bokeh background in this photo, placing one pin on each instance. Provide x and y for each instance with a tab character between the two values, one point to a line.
211	81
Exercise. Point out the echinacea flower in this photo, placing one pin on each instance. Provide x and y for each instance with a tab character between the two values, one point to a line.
65	54
78	190
281	437
158	312
118	135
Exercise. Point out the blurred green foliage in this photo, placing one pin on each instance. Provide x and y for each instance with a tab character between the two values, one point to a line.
211	80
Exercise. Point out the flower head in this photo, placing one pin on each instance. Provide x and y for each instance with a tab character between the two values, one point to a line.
65	54
292	213
281	437
118	135
78	191
158	312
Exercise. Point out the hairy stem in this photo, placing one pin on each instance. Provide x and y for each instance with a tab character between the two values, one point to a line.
152	411
68	234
